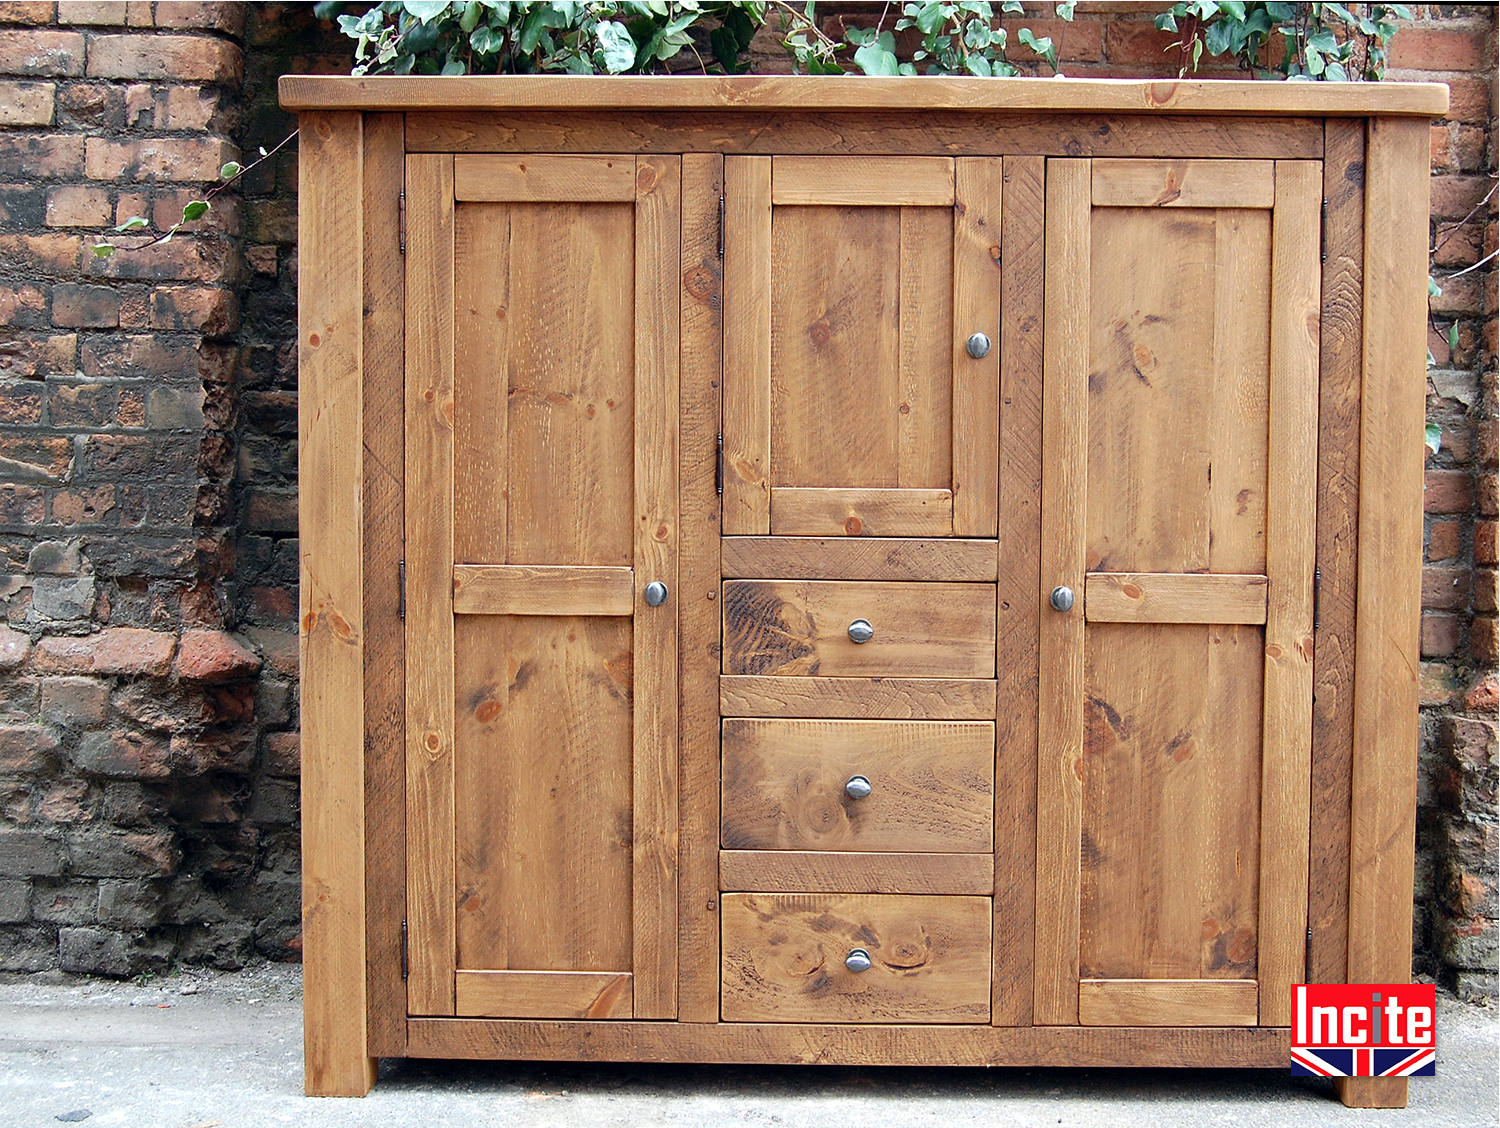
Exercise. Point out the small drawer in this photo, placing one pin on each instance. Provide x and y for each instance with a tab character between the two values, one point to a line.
879	786
795	957
811	627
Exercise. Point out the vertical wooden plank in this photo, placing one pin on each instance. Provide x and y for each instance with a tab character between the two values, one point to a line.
924	409
330	357
657	318
698	578
481	382
385	661
1060	676
747	346
1383	826
1291	499
976	309
429	583
1338	527
1019	490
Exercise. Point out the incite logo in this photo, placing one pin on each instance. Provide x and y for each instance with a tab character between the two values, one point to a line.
1364	1029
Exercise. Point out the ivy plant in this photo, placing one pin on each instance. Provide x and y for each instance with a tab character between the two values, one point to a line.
1306	41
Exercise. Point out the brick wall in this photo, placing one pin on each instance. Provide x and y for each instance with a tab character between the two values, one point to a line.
148	730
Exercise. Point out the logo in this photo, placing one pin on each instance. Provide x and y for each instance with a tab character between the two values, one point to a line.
1364	1029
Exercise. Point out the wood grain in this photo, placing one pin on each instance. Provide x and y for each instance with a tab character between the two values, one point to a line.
1166	597
747	345
330	426
544	178
542	589
924	393
800	627
895	699
976	309
861	512
802	871
866	558
1184	184
890	181
1167	1002
784	958
933	785
544	994
485	263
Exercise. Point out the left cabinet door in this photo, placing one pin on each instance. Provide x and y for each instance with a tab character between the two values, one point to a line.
541	454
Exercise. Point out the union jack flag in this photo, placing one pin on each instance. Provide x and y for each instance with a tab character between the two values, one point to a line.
1326	1062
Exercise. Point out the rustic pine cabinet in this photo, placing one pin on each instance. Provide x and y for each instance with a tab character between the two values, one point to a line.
855	570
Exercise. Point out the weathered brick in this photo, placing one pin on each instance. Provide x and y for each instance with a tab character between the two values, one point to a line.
54	558
41	53
284	754
156	158
81	405
1448	491
21	505
23	305
26	11
211	310
25	853
65	902
211	752
272	221
212	656
26	748
86	505
189	260
177	58
1485	543
1484	590
90	307
26	103
15	900
132	409
14	647
281	649
36	457
1442	541
1454	197
39	354
1440	635
91	105
78	205
121	754
225	17
102	853
1416	47
1487	495
67	803
75	703
271	511
186	108
20	404
52	252
1445	589
63	597
96	13
138	355
100	951
114	650
133	455
262	259
132	904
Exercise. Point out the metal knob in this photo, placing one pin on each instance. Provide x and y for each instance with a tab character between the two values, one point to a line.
858	960
656	593
1061	599
979	346
857	787
861	631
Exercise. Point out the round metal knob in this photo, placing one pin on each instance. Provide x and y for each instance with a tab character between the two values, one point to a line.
857	787
1061	599
861	631
656	593
858	960
979	346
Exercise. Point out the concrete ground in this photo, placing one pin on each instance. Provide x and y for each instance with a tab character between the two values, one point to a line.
198	1049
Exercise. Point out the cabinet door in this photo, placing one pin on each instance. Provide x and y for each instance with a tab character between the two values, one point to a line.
1179	450
852	405
541	493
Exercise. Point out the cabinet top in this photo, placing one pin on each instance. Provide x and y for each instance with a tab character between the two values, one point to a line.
855	93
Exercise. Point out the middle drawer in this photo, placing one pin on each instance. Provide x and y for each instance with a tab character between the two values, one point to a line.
877	786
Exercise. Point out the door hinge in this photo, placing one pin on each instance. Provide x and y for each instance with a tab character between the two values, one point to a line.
405	952
401	595
401	218
721	226
1307	953
1323	251
1317	597
719	468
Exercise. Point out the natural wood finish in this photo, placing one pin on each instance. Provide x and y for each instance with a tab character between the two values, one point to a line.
800	627
1060	679
385	644
1167	1002
923	402
866	558
544	994
1256	99
1018	609
933	785
894	699
801	871
976	309
429	584
1371	1092
888	181
747	345
698	579
1166	597
1184	184
831	512
1291	508
1384	783
784	958
330	359
542	589
658	261
1338	534
538	178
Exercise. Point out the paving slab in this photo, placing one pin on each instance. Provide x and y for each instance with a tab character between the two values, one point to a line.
196	1049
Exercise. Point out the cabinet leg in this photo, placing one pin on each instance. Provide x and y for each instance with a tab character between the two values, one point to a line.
1371	1092
351	1077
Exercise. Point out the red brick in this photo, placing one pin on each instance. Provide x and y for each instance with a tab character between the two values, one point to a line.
132	410
159	158
225	17
1442	147
1442	541
1440	634
1484	543
78	205
92	307
281	649
269	511
25	748
86	505
284	754
211	752
213	656
32	354
1468	148
1454	197
186	107
41	53
14	647
53	252
275	604
1460	294
1448	491
1487	496
20	403
175	58
37	456
26	12
1419	47
1445	589
81	405
1469	99
124	755
1484	643
22	305
1484	590
114	650
21	505
262	260
94	13
137	355
1458	245
26	103
186	260
43	156
140	101
1138	41
213	311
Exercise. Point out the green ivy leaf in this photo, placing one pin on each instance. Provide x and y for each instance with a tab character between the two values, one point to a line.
1433	437
230	170
1433	289
616	46
134	223
194	209
425	10
103	250
878	57
1453	337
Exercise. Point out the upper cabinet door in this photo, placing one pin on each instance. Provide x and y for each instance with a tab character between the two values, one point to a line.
541	502
855	401
1178	496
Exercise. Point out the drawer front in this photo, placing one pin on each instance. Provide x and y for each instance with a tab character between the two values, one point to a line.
784	958
802	627
786	785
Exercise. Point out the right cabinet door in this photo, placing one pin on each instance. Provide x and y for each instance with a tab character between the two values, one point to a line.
1178	503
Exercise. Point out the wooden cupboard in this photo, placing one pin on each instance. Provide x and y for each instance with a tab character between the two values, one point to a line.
855	570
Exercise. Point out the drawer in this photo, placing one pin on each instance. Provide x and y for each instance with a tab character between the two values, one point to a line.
931	785
784	958
802	627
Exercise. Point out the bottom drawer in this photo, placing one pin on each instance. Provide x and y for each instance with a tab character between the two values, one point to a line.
785	958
